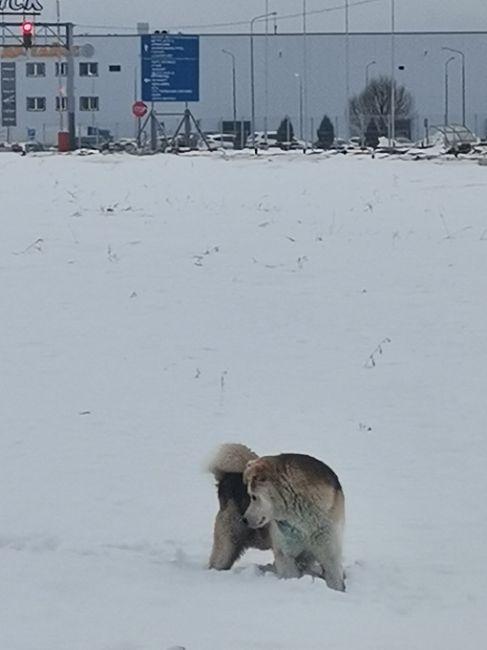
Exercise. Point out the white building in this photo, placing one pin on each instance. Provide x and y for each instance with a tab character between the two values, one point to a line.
108	79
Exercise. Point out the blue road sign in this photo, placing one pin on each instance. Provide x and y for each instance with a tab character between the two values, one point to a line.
170	68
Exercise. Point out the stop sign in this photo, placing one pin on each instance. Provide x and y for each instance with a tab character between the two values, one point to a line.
139	109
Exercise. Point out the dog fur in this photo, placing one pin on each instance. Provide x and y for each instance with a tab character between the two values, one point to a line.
231	535
299	503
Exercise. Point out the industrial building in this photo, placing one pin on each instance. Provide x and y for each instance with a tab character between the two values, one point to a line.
303	77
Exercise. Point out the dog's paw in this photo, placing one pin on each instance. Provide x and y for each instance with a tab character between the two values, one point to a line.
265	568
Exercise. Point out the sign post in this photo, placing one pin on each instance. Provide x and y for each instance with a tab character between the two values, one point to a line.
170	73
170	68
139	109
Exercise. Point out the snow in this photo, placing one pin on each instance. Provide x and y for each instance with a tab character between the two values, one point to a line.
155	307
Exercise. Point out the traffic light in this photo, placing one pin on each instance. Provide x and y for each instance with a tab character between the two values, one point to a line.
27	33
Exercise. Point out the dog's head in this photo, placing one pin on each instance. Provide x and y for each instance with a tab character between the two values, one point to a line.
258	478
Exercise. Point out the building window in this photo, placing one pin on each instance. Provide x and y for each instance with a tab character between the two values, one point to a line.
114	68
61	103
89	103
36	103
35	69
88	69
61	68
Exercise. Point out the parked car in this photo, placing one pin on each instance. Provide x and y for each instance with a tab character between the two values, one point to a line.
402	141
295	144
260	140
356	141
217	141
340	143
26	147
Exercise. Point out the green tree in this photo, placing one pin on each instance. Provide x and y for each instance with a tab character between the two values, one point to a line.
285	132
371	134
326	133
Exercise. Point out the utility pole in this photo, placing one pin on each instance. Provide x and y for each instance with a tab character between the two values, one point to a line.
266	72
59	66
70	97
305	75
392	130
252	73
347	66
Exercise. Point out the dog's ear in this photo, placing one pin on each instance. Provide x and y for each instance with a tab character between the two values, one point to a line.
257	472
261	471
248	471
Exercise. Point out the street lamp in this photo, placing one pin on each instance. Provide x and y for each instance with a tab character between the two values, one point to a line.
462	54
392	130
371	63
300	80
234	90
252	71
305	74
347	65
266	72
447	63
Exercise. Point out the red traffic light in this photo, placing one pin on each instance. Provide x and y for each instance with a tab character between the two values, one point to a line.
27	27
27	32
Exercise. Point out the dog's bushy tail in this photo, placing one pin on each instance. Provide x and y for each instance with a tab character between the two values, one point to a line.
231	458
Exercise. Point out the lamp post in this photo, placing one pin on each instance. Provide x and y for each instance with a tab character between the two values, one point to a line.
266	72
347	65
300	80
305	74
234	90
370	64
252	72
392	130
447	63
462	54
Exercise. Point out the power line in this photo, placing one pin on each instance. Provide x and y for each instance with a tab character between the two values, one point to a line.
238	23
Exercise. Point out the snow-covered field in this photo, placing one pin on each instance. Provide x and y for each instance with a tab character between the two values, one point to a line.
155	307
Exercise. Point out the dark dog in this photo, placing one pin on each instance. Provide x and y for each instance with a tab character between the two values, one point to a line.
232	537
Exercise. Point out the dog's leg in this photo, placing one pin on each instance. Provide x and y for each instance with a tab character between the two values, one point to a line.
329	556
229	539
286	566
334	576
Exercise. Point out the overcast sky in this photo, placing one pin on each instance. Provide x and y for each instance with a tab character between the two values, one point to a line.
203	16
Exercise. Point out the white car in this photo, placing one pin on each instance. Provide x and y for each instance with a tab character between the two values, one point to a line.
217	141
260	140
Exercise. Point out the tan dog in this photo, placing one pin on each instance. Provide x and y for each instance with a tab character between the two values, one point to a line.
232	536
299	501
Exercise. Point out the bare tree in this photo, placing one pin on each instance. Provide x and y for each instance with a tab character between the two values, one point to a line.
374	103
